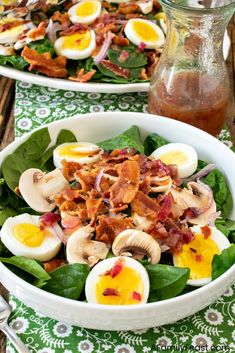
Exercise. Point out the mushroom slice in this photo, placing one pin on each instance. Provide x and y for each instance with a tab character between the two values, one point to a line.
39	189
199	197
160	184
133	242
81	249
7	50
142	223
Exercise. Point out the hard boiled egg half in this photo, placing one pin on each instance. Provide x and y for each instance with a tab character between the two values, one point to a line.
78	45
80	152
117	281
23	236
198	254
10	36
144	31
85	11
184	156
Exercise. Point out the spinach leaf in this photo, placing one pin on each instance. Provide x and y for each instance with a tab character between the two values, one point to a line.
166	281
43	46
221	263
16	61
152	142
27	155
6	213
27	265
63	136
129	138
134	75
68	281
135	58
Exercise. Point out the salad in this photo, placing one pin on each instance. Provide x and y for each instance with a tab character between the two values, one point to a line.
118	222
87	40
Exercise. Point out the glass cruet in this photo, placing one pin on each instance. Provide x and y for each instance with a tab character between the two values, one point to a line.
190	82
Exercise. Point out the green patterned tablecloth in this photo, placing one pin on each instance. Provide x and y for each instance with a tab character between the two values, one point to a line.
210	330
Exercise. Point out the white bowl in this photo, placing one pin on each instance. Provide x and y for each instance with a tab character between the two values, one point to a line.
96	127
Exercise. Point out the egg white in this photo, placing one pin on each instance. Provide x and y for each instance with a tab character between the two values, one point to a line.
72	51
104	266
185	169
85	147
136	38
75	18
10	36
48	249
222	242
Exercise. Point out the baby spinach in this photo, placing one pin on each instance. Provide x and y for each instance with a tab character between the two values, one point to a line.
27	265
16	61
43	46
221	263
129	138
152	142
6	213
135	58
227	227
134	75
68	281
166	281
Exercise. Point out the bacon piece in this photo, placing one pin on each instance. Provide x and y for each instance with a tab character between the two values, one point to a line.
121	41
115	270
83	76
145	185
128	8
12	24
117	70
62	18
108	27
141	47
144	206
70	222
123	56
127	185
136	296
93	206
39	32
206	231
53	264
43	63
108	6
49	218
69	168
86	179
77	28
144	75
198	258
109	227
165	209
110	291
158	168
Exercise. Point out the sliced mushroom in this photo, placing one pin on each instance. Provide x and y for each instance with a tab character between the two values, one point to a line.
81	249
7	50
160	184
196	196
133	242
142	223
39	189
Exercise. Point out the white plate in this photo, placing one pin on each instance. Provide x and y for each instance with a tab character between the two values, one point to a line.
96	127
89	86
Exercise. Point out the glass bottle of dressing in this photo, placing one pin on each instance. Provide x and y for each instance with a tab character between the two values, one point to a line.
190	82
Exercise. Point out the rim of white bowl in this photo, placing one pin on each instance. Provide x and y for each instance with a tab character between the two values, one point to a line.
190	296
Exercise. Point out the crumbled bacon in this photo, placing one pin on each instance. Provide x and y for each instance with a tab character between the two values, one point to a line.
110	291
165	209
127	8
121	41
115	270
109	227
43	63
206	231
93	206
12	24
127	185
49	218
69	168
39	32
136	296
144	206
76	28
123	56
53	264
198	258
62	18
190	212
117	70
70	222
83	76
141	47
143	74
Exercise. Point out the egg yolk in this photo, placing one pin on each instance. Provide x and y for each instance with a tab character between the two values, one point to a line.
161	16
29	234
174	157
125	288
86	9
8	2
198	256
70	151
77	41
145	31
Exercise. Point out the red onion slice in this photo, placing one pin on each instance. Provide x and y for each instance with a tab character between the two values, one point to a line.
60	234
98	180
103	51
203	172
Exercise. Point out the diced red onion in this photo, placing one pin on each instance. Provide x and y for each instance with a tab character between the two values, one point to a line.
141	46
103	51
98	180
49	218
123	56
60	234
203	172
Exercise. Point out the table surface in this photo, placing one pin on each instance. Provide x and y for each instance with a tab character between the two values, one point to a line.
7	121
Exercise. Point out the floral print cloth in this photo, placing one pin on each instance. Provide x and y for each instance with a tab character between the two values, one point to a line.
210	330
